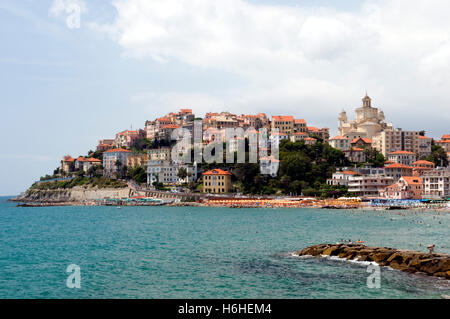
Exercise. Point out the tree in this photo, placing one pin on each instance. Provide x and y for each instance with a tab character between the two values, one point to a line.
374	157
438	156
182	173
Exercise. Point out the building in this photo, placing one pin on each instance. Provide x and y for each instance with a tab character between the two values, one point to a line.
284	124
160	154
137	160
340	143
111	158
396	171
361	142
402	157
396	140
424	146
444	142
368	185
166	172
421	166
436	183
323	133
407	187
300	126
342	178
369	121
90	162
298	136
126	138
104	145
276	137
68	164
217	181
310	140
269	165
356	155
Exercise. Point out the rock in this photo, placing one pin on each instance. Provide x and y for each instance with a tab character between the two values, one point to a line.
437	265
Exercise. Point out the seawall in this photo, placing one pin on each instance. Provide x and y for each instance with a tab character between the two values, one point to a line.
437	265
76	194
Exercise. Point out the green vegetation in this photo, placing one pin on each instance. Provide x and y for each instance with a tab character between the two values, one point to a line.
438	156
303	169
99	182
138	174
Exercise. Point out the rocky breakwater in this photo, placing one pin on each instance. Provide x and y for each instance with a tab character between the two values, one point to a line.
437	265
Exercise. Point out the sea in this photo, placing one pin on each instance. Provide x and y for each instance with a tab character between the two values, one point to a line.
199	252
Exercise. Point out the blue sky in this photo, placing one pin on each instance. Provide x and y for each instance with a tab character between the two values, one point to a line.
64	89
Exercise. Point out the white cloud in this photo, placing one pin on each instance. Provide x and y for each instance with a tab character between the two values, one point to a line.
311	61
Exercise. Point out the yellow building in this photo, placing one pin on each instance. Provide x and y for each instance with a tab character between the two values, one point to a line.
285	124
137	160
216	181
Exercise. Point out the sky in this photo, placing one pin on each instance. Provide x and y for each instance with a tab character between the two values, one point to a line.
65	85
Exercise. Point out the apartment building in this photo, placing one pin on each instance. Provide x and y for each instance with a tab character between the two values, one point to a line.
217	181
368	185
110	159
396	171
436	183
285	124
407	187
342	178
389	141
402	157
339	142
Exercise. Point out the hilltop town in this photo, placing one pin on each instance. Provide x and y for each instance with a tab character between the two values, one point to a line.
370	158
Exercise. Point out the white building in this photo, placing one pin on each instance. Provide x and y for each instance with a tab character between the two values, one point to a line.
369	185
436	183
402	157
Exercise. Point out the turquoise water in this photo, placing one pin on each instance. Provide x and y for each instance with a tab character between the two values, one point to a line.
164	252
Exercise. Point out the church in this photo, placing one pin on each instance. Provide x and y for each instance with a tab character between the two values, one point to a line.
369	122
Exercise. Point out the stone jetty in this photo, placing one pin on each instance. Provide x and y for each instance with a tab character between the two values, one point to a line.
437	265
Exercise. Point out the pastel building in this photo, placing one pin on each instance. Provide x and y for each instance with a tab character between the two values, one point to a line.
396	140
340	142
402	157
396	171
407	187
436	183
68	164
368	185
284	124
110	159
342	178
217	181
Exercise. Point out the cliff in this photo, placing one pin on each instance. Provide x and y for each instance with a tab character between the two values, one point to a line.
437	265
76	194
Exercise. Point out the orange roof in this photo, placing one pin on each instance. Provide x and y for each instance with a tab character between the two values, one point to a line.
217	171
350	173
425	137
164	119
423	163
356	149
338	138
365	140
116	150
397	165
312	128
401	153
300	121
446	137
186	111
68	159
413	180
282	118
300	133
388	162
443	141
81	159
170	126
269	158
310	139
279	133
93	160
